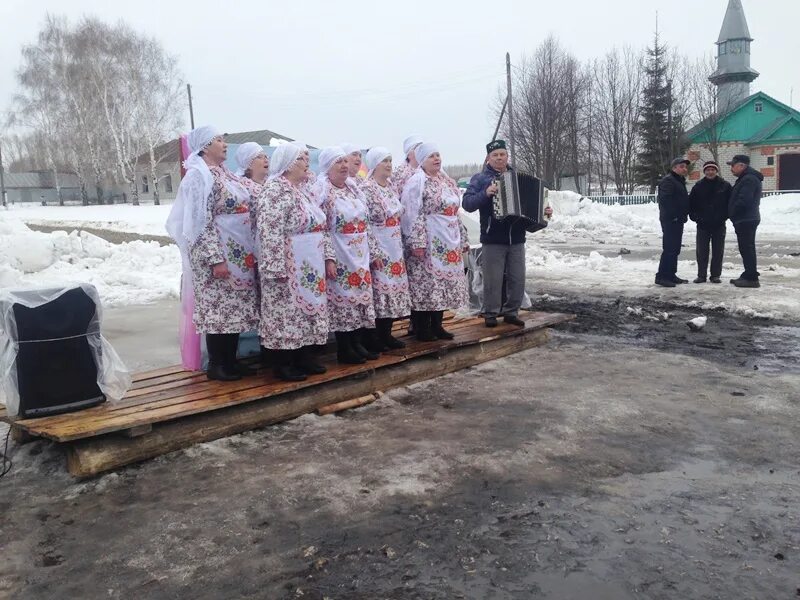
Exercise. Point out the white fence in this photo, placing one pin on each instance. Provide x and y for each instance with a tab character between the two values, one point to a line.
651	198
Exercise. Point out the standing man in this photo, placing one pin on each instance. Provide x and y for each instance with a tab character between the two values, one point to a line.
673	209
743	211
503	241
708	207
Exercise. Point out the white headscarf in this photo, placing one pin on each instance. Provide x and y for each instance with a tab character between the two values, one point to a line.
349	148
326	159
424	150
245	154
410	142
283	158
376	156
191	211
201	137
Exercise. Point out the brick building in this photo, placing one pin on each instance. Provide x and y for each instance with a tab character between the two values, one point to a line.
757	125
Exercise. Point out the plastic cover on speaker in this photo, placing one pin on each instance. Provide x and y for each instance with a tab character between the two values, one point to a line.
113	378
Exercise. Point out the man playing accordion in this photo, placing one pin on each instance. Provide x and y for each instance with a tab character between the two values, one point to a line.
503	241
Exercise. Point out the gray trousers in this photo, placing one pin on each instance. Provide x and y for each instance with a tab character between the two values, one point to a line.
499	260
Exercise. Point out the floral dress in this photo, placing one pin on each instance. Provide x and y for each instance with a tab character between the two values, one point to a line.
294	243
225	305
437	281
390	284
400	175
350	302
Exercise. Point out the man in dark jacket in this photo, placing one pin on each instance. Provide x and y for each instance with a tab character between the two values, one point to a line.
673	209
502	241
708	207
743	211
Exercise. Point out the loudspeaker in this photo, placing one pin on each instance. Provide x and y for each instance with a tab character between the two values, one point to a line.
56	368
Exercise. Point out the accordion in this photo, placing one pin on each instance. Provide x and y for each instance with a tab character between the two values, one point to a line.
523	196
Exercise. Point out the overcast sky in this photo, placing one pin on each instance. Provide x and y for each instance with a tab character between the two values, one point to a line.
373	72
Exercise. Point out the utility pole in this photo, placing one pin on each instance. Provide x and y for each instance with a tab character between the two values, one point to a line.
510	103
2	181
191	109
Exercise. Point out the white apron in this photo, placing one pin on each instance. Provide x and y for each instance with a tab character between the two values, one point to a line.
308	255
392	278
353	283
444	260
236	236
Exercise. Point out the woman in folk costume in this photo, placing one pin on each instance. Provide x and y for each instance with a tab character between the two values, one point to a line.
351	308
308	185
435	239
211	223
295	255
354	160
253	168
404	171
390	284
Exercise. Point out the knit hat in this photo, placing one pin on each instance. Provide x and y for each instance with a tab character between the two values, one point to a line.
710	163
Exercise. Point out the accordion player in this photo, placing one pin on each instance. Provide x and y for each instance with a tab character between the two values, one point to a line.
523	196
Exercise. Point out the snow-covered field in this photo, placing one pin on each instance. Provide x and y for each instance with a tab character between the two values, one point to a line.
579	253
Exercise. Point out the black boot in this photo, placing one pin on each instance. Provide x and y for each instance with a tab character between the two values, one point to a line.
371	341
266	357
357	345
423	326
344	350
305	362
436	326
232	351
384	327
220	367
412	323
283	367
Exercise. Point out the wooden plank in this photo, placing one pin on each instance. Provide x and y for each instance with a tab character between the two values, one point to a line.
170	401
330	409
199	401
91	456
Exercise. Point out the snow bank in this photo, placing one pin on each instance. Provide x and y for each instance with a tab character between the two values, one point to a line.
575	215
131	273
146	218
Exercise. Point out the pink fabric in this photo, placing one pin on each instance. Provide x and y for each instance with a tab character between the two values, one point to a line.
191	353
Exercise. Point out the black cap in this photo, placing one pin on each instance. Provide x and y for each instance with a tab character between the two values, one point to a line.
495	145
740	158
679	161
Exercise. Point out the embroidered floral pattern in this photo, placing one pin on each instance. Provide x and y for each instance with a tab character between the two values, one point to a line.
311	279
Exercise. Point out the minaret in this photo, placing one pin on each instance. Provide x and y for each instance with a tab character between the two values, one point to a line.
733	74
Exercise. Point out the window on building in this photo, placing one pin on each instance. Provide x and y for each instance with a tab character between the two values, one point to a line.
723	48
747	47
770	161
759	107
145	186
168	184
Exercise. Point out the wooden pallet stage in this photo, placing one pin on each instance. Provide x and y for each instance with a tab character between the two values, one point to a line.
168	409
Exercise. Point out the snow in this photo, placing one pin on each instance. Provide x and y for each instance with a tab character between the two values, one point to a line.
145	219
131	273
697	323
583	251
580	252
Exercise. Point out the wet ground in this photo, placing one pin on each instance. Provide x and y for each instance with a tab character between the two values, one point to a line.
628	458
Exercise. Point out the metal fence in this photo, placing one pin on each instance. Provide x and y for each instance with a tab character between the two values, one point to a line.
625	200
778	193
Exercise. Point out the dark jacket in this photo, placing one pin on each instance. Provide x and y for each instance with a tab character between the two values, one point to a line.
708	202
746	197
673	199
508	231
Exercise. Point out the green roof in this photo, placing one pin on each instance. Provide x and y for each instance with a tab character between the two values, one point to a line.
775	123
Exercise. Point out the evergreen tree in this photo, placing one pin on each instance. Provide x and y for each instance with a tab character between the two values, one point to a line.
656	154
